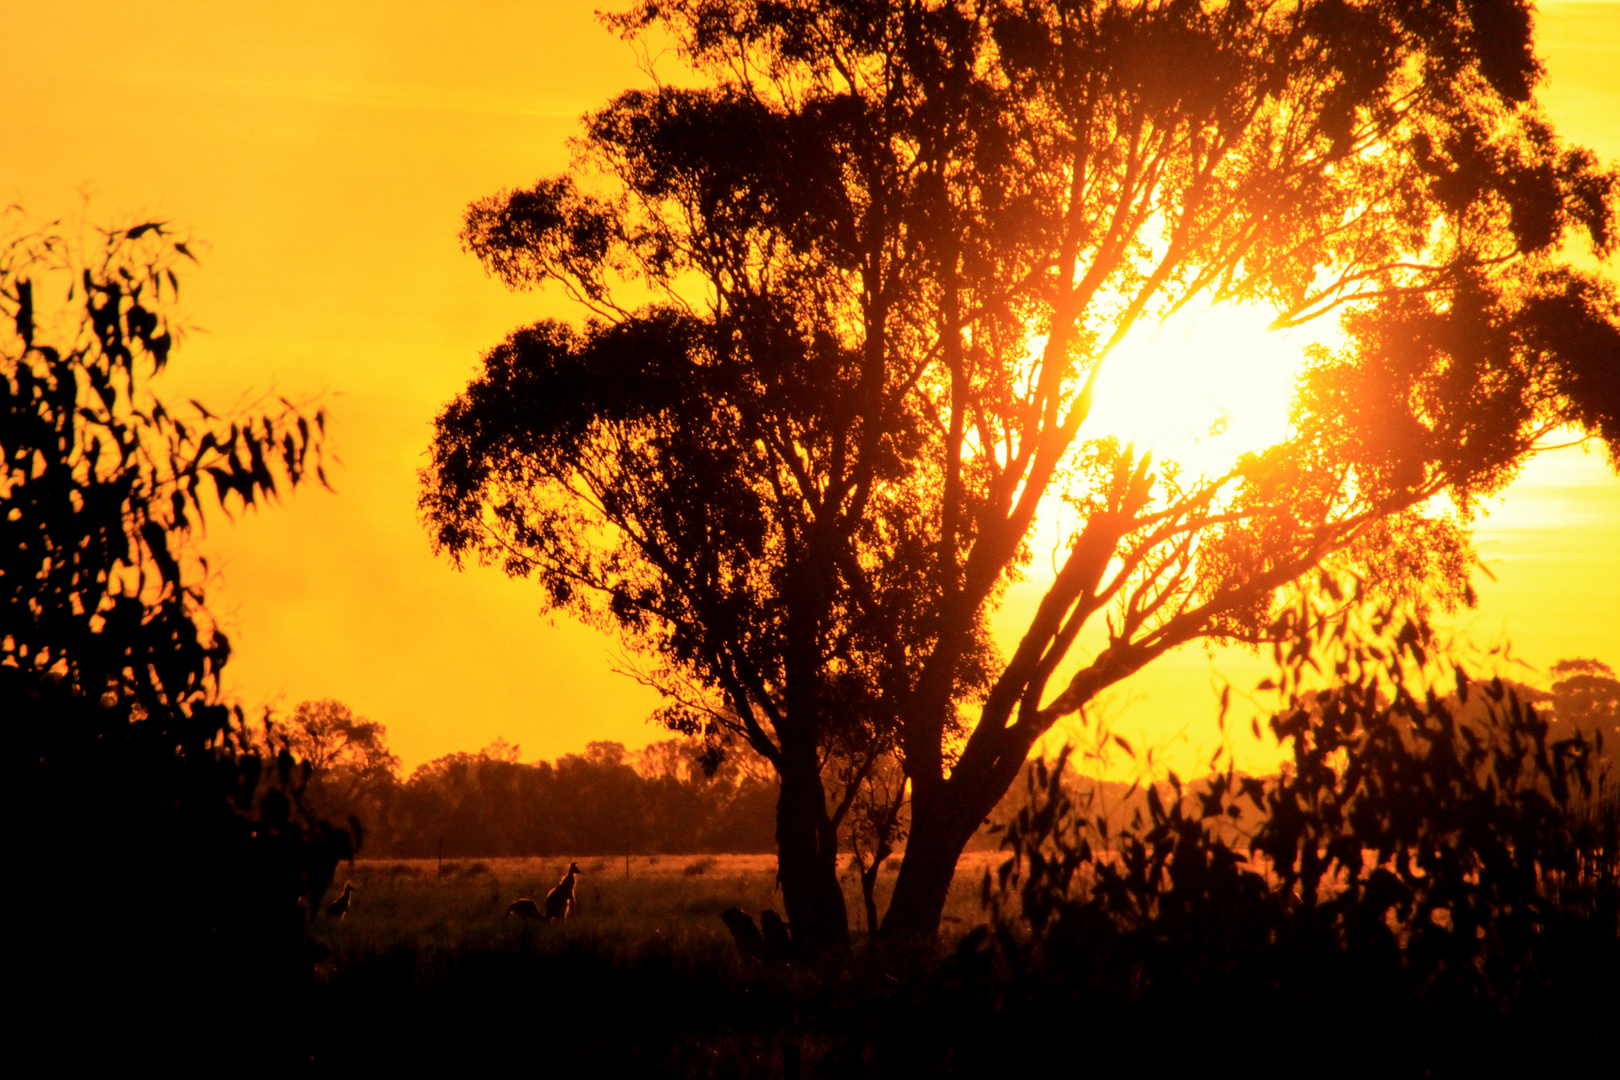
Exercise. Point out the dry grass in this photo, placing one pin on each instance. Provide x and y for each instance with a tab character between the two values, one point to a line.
428	952
676	899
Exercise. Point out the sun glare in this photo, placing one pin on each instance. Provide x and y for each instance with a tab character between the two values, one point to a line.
1200	388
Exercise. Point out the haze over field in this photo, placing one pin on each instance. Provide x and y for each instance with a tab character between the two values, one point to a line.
323	155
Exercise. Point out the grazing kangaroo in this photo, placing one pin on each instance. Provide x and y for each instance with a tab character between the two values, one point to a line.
560	900
525	909
340	907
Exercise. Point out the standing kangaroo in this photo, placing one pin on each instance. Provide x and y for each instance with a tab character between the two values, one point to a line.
560	900
340	906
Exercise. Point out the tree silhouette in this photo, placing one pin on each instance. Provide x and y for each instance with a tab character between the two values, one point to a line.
347	755
123	751
849	302
876	825
1586	700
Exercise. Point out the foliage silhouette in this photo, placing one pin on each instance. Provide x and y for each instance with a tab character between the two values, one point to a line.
1452	871
1585	697
876	827
850	298
123	753
347	756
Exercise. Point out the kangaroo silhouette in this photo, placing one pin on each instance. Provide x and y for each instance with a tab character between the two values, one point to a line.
560	900
340	906
525	909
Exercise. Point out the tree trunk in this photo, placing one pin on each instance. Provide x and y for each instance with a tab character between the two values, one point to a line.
869	899
869	875
807	856
806	841
939	832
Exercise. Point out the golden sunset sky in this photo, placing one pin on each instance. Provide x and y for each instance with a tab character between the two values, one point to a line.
321	154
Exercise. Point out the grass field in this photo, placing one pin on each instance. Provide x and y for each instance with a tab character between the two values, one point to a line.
427	971
427	974
460	904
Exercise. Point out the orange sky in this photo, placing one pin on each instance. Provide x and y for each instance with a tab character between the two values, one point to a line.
322	152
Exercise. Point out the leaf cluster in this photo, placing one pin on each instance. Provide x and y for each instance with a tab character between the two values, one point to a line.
103	483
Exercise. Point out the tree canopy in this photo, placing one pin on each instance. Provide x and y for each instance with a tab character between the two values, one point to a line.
849	298
1586	700
347	755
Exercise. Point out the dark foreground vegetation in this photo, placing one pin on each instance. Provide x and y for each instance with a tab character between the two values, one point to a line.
1429	889
174	855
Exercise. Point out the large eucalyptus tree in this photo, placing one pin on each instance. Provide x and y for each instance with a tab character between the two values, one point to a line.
850	293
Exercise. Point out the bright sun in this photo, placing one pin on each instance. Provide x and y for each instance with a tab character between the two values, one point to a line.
1202	387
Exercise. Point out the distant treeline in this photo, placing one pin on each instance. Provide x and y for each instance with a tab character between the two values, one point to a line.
490	804
592	804
661	800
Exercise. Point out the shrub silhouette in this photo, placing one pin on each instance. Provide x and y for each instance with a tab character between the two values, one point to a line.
122	753
1420	870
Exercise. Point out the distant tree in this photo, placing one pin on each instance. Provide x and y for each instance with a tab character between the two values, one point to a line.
678	760
501	750
1586	697
474	804
347	755
876	826
600	797
128	764
849	300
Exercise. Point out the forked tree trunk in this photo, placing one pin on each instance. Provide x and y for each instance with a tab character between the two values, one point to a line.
869	877
807	856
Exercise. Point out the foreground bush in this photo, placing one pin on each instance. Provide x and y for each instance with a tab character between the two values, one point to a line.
1433	873
176	862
